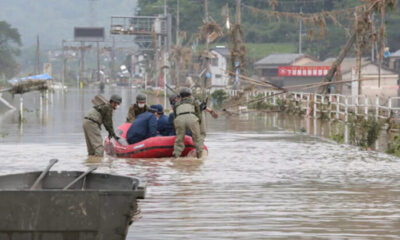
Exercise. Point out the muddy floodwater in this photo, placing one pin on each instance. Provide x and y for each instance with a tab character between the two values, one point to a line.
262	179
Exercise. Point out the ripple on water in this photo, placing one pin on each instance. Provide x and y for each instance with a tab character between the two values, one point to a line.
258	182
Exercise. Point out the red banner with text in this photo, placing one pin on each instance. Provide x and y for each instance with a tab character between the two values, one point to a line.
303	71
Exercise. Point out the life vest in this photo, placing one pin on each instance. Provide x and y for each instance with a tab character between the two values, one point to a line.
95	116
185	108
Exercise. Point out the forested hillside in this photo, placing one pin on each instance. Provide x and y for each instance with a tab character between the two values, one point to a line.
262	22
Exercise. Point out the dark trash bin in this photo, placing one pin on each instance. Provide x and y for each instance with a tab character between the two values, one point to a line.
99	206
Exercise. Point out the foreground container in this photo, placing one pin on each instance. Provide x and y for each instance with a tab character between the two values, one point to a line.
99	206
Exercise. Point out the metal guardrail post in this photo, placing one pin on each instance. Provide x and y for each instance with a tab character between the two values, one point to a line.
274	98
337	106
322	103
315	105
356	106
346	111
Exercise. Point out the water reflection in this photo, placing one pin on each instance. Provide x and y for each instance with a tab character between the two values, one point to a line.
266	177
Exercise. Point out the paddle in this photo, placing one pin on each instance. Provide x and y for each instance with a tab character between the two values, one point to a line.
80	177
43	174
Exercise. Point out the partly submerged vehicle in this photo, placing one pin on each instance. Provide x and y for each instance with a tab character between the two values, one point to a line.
67	205
155	147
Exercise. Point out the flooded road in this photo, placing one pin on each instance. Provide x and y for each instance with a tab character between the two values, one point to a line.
259	181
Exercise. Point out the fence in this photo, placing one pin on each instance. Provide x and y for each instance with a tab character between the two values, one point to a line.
335	106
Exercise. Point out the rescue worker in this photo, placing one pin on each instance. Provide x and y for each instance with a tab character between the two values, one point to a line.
170	127
162	122
98	115
137	108
143	127
187	117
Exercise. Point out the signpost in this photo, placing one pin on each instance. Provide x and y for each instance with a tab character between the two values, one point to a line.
89	34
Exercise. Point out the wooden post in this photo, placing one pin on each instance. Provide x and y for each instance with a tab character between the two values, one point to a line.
377	107
41	102
63	66
330	106
21	108
340	58
315	106
365	107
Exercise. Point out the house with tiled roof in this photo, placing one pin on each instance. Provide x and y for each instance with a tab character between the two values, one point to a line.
268	68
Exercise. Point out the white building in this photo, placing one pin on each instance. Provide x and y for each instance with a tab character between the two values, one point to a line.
218	67
369	85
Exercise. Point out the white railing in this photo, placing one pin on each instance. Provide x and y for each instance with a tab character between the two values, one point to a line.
336	106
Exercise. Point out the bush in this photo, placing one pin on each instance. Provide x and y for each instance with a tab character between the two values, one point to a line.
394	146
364	133
219	96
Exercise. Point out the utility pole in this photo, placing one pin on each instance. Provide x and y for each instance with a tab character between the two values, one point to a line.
372	45
206	10
98	61
82	63
177	67
164	52
207	63
238	12
237	63
63	64
113	58
300	30
37	57
177	23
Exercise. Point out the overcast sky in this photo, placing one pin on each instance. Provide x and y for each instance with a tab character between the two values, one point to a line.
55	20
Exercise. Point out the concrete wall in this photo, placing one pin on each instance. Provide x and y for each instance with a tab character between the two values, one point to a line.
369	84
292	81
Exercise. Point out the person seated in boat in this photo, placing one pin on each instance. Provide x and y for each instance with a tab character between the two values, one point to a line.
138	108
143	127
162	122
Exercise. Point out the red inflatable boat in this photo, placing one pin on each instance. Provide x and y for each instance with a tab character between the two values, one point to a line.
155	147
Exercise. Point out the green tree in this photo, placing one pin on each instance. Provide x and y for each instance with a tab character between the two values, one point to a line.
10	41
